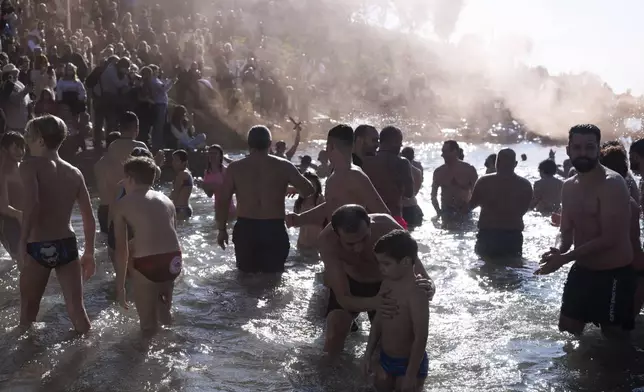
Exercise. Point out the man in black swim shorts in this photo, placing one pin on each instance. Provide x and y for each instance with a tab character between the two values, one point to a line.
352	271
595	217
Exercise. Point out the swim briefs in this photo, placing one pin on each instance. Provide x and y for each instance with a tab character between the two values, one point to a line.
499	243
401	221
413	215
159	268
600	297
397	367
103	214
357	289
54	254
10	234
261	245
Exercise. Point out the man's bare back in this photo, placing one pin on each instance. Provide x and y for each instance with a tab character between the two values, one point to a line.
392	177
503	201
547	195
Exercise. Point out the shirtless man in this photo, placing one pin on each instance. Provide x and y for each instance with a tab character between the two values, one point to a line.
156	254
121	148
260	181
547	191
352	272
456	181
346	185
12	150
280	147
366	142
504	198
403	360
324	168
101	173
51	188
595	217
183	184
411	211
390	173
631	183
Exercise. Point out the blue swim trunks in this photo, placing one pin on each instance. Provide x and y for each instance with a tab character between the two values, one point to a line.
397	367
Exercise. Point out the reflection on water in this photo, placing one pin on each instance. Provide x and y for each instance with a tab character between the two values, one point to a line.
492	326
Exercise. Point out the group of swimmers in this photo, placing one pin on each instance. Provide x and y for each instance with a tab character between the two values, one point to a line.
371	260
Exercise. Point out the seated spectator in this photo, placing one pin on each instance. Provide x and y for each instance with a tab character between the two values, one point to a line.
184	132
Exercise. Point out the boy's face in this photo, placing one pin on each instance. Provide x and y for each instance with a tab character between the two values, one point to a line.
177	164
15	152
392	269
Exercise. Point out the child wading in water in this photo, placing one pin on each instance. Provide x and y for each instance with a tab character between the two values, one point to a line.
308	239
183	183
403	360
214	176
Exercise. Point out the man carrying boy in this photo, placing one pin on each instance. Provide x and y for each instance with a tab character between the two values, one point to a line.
156	258
182	186
403	337
47	241
12	148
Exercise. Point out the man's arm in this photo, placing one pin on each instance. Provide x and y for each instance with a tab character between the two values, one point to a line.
435	186
222	201
474	176
303	186
476	198
314	216
613	212
526	199
291	151
566	227
29	176
406	178
419	311
536	195
5	208
177	184
122	245
87	215
417	174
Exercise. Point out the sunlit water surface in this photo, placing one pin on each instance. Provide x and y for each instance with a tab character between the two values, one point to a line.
492	327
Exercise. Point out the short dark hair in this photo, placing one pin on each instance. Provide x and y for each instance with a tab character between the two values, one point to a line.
389	134
51	129
398	244
128	119
638	147
408	152
142	170
259	138
452	144
614	158
362	130
585	129
349	217
12	138
614	143
342	134
306	159
181	154
141	152
111	137
548	167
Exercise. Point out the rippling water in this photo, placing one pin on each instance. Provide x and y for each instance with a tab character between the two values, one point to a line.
492	327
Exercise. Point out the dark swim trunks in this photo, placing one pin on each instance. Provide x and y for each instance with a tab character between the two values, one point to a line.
159	268
54	254
10	234
499	243
186	211
397	367
261	245
600	297
103	213
413	215
357	289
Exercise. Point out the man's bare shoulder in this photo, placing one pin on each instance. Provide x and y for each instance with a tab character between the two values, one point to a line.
383	222
466	166
439	170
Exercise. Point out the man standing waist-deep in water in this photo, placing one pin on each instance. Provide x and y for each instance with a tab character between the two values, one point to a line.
504	198
47	242
260	181
595	217
12	150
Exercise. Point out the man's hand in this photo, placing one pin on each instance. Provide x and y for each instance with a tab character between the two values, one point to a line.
88	265
427	285
121	298
222	238
550	262
409	383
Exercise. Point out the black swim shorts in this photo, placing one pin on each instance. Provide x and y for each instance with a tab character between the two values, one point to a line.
53	254
497	243
600	297
357	289
261	245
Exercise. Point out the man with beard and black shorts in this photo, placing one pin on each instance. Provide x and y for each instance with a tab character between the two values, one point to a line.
595	217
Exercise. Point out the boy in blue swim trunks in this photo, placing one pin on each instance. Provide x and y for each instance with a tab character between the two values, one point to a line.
402	338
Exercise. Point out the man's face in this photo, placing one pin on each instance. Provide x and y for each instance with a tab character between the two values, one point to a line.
177	164
280	148
15	152
355	242
370	142
583	151
448	153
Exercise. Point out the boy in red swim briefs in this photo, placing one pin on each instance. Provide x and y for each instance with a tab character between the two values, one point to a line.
156	257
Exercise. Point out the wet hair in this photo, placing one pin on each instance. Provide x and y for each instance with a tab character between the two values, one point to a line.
349	218
315	180
548	167
638	147
398	244
306	159
490	159
128	120
141	152
140	169
221	156
259	138
111	137
51	129
12	138
614	158
182	155
452	144
585	129
408	152
342	135
362	130
614	143
389	134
